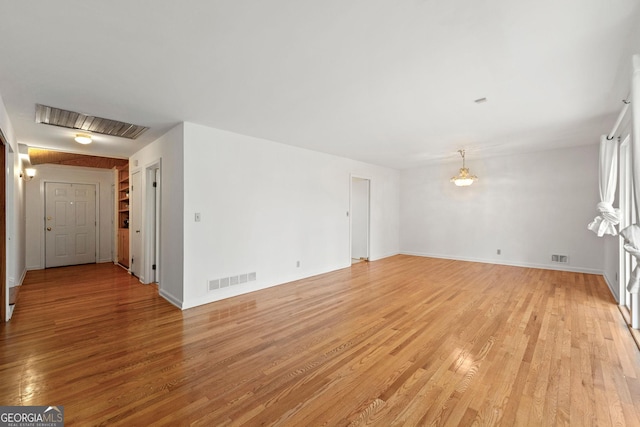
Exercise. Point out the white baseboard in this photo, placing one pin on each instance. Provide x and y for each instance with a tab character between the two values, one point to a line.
173	300
13	283
613	288
387	255
569	268
22	276
245	288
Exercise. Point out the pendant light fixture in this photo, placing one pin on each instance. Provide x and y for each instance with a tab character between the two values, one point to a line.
464	178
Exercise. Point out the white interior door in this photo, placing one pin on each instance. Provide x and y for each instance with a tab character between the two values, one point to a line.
135	214
359	218
70	224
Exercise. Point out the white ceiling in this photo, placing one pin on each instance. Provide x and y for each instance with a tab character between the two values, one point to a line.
389	82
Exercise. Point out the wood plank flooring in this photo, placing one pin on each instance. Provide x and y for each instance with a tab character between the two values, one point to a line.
401	341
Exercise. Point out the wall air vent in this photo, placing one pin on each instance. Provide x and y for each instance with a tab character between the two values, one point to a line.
72	120
214	284
562	259
225	282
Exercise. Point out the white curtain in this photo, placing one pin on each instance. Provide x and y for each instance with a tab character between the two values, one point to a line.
609	217
631	234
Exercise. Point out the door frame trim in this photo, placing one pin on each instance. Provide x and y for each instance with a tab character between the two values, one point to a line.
4	182
141	262
149	233
351	177
42	212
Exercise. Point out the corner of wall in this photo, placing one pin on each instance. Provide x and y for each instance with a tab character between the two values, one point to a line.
612	287
172	299
13	282
385	255
168	151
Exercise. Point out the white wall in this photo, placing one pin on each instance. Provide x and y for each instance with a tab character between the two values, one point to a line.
102	178
17	256
15	207
528	205
168	152
264	206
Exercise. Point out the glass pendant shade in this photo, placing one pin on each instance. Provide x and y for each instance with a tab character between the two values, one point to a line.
464	178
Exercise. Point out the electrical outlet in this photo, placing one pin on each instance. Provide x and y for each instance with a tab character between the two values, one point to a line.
498	251
298	264
197	217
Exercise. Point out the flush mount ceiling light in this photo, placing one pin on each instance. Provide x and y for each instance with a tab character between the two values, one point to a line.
464	178
83	138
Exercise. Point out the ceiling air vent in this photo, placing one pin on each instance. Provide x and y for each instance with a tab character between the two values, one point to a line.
72	120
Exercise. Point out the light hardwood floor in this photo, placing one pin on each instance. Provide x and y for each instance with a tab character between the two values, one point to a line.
400	341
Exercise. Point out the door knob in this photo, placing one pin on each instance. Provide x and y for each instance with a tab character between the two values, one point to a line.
48	228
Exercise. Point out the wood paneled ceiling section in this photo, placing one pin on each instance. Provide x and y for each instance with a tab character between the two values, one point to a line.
73	120
39	156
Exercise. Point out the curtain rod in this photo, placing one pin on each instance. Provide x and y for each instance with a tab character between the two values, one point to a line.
625	107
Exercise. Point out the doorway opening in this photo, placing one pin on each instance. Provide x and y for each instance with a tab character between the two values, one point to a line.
360	218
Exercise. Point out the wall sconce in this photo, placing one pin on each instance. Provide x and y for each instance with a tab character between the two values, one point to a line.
28	174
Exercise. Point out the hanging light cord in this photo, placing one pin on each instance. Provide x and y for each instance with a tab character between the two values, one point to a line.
462	154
